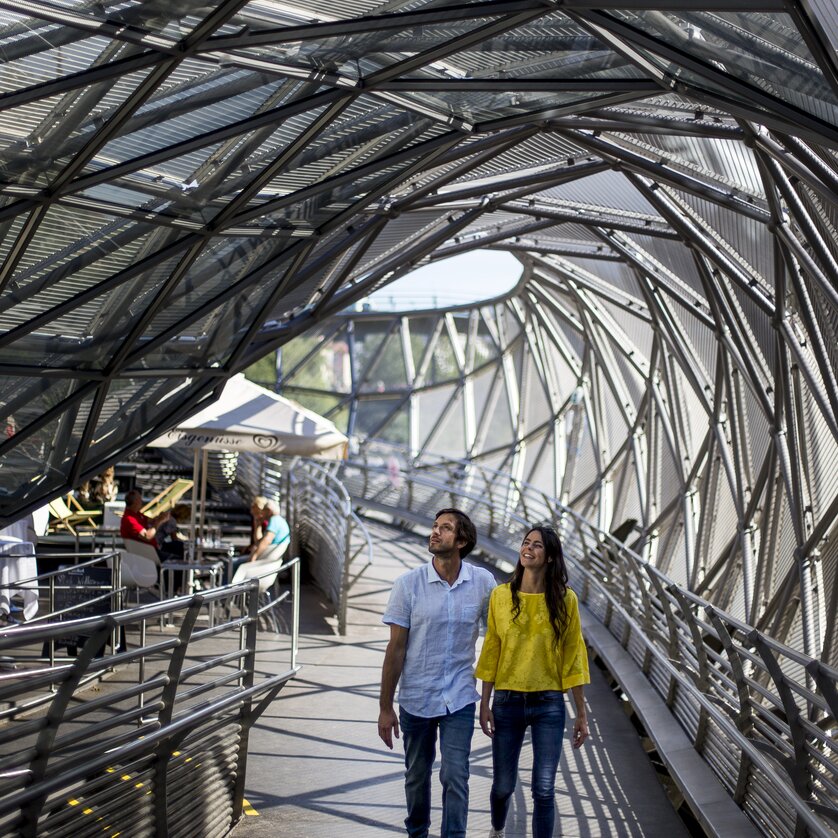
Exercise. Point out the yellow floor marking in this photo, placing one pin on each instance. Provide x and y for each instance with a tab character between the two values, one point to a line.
72	801
247	809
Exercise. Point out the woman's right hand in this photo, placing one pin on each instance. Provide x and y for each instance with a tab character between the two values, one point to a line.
487	719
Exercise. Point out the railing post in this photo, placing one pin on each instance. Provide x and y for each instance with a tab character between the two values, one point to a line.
249	665
366	477
31	812
799	767
643	593
52	639
141	671
410	468
117	580
703	674
163	752
491	516
295	612
672	629
344	581
744	717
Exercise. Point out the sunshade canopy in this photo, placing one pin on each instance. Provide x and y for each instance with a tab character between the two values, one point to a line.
248	417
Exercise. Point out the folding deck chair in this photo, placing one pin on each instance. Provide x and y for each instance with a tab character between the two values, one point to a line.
69	513
167	499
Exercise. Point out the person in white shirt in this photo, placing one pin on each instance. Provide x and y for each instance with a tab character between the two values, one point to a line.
434	615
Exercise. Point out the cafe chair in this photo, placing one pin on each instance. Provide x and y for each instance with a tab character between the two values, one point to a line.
140	567
266	572
68	513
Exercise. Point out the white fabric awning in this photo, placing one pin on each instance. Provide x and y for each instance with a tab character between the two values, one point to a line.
248	417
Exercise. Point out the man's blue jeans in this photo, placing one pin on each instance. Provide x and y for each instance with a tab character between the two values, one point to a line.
419	734
544	712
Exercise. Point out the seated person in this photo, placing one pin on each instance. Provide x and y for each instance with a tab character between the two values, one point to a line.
135	526
170	539
105	487
274	541
260	517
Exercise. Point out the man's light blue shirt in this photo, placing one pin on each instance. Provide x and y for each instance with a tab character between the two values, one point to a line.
443	622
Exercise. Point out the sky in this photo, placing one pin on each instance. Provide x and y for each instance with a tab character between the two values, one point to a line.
477	275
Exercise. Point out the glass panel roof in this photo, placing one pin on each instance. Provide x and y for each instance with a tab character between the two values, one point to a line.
186	187
763	49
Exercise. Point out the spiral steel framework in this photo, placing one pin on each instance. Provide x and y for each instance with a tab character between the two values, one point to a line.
186	186
760	714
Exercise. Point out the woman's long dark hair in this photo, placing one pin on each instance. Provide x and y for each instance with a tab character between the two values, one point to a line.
555	581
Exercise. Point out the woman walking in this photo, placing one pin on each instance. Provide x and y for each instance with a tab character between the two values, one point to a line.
532	653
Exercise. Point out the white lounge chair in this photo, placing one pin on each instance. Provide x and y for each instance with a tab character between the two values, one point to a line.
140	566
266	572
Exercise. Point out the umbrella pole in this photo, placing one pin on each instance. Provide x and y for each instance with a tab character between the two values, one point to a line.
196	471
204	464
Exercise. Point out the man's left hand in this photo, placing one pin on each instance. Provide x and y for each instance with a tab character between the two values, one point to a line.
388	726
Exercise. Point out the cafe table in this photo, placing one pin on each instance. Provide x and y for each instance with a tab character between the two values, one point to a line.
18	572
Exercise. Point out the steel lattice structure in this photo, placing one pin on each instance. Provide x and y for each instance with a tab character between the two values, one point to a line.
186	186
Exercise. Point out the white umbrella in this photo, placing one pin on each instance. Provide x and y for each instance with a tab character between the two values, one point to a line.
247	417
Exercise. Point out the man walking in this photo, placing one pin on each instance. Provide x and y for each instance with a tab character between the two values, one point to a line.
434	616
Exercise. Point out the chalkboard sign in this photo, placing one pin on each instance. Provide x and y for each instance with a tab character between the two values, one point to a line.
79	588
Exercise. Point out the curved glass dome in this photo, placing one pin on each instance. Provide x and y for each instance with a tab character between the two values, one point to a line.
185	187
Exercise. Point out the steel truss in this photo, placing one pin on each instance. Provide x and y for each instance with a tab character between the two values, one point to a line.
187	186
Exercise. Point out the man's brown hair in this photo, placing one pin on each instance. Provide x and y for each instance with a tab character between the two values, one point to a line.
465	529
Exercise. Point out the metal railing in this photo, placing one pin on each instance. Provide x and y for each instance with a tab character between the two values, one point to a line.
53	591
762	715
66	594
336	543
324	527
161	747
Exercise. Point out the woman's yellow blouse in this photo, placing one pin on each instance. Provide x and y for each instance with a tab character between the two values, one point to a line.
521	654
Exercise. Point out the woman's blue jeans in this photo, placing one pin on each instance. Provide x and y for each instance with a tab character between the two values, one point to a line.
419	735
544	713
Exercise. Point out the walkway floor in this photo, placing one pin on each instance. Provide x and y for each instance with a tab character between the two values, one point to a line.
317	769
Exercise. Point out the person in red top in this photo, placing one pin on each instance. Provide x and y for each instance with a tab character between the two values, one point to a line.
138	527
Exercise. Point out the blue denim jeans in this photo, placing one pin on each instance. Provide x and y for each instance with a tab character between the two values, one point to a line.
419	735
544	713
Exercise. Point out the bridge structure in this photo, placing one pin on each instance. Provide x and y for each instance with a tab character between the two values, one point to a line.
737	726
188	187
718	699
317	767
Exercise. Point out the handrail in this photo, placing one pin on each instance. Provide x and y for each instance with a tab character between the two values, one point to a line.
158	749
327	528
45	580
323	524
761	714
112	592
324	527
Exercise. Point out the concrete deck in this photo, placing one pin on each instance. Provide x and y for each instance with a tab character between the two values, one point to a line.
318	770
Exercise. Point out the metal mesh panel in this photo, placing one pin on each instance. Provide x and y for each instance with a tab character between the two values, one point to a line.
159	749
727	684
